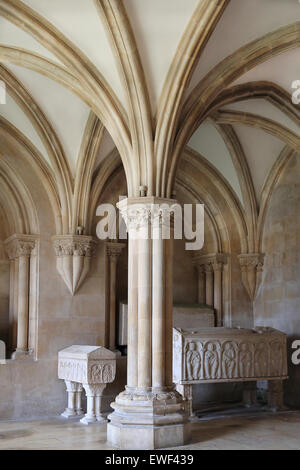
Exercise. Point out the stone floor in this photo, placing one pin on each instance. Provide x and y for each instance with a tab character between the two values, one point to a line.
263	431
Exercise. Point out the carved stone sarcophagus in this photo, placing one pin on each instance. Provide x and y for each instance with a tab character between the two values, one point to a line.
228	355
87	364
88	367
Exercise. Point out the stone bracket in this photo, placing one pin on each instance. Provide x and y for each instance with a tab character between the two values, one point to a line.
252	267
74	254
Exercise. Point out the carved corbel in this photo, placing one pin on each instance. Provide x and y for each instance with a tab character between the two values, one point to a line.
252	267
73	258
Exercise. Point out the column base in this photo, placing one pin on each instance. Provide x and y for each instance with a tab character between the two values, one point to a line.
92	421
130	437
148	420
20	354
68	413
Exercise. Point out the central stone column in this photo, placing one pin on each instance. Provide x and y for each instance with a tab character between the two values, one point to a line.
150	413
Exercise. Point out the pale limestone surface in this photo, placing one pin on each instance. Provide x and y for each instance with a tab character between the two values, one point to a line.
258	431
279	298
194	316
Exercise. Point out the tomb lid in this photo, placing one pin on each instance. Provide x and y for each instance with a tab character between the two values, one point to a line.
221	331
87	352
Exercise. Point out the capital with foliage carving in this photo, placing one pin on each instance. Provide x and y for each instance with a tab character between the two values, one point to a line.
73	258
251	266
20	245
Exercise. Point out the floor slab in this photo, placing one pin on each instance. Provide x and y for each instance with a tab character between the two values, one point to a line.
265	431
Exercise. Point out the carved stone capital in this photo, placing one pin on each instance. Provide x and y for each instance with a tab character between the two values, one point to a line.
210	262
200	269
95	390
74	245
251	266
20	245
140	212
208	268
74	253
114	250
251	261
73	386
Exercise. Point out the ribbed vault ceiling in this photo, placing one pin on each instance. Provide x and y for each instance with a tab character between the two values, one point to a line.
158	27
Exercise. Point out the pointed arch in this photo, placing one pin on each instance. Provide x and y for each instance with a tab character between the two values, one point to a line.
84	171
108	105
220	77
201	26
22	146
117	23
49	139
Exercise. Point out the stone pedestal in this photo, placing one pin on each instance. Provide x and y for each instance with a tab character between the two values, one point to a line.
74	391
93	394
91	368
150	413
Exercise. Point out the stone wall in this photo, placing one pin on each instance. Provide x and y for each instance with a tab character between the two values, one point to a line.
278	302
30	387
4	295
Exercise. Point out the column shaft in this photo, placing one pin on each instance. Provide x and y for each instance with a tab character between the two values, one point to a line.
132	346
218	293
144	308
201	285
158	308
14	332
107	302
71	400
11	303
209	284
112	303
168	263
23	303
